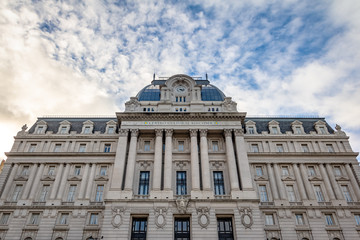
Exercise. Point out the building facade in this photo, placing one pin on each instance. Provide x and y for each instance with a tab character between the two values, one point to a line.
180	163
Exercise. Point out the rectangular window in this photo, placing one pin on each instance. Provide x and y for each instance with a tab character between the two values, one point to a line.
107	147
4	218
330	148
357	219
311	170
291	193
25	171
103	171
138	229
57	147
304	147
77	170
51	171
279	148
219	183
269	219
16	194
285	171
44	192
34	219
329	219
71	193
322	130
346	193
111	130
147	146
64	219
225	229
251	130
82	148
63	129
87	130
298	130
259	171
181	183
215	146
94	219
182	229
274	130
144	183
181	146
99	193
319	194
39	130
299	219
254	148
32	147
337	171
263	193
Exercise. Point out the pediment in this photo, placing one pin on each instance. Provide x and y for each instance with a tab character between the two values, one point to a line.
74	178
320	123
296	122
48	178
261	178
273	122
41	122
111	122
65	122
88	122
288	178
21	178
101	178
250	122
315	178
342	178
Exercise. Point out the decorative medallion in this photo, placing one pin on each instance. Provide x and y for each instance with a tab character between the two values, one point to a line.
246	217
182	204
160	220
117	218
203	218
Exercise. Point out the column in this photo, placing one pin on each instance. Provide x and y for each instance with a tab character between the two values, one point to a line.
84	181
9	181
90	182
119	163
280	184
195	181
353	181
308	186
338	193
157	160
29	182
36	182
56	182
272	180
168	160
230	156
243	161
300	182
63	182
131	160
204	153
327	182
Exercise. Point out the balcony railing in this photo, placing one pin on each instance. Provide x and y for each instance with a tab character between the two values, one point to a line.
141	196
325	203
267	203
296	203
222	196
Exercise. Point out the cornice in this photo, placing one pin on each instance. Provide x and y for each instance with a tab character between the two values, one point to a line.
61	137
303	154
60	154
278	137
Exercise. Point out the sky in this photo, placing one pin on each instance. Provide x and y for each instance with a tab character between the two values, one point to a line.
286	57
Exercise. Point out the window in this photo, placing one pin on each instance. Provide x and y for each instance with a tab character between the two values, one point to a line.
147	146
39	130
322	130
225	229
82	147
346	193
32	147
44	192
77	170
107	147
25	171
279	148
269	219
94	219
337	171
298	130
263	193
99	193
330	148
71	193
144	183
35	218
259	171
304	147
251	130
181	146
138	230
181	183
357	219
103	171
254	148
329	219
319	194
215	146
87	130
299	218
219	183
291	193
274	130
182	229
111	130
311	170
64	219
16	193
57	147
51	170
4	218
63	129
285	171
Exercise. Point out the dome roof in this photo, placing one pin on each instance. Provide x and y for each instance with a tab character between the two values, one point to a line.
208	93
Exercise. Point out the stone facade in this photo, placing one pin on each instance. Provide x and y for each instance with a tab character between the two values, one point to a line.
180	162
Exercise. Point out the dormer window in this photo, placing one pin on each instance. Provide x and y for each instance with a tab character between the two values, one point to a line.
274	130
40	130
251	130
111	130
88	127
321	128
250	127
64	127
274	127
87	130
63	130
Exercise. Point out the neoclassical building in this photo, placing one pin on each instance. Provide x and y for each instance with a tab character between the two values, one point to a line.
180	163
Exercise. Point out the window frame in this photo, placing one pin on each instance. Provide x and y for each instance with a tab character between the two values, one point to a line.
99	195
141	232
5	220
185	232
263	193
144	183
107	147
219	184
181	183
225	235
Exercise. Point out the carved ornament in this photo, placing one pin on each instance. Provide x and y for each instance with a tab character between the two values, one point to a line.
246	217
158	132
227	132
123	132
182	205
169	132
239	132
134	132
160	219
193	132
117	213
203	216
203	132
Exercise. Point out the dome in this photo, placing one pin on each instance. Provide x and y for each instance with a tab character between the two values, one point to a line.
208	93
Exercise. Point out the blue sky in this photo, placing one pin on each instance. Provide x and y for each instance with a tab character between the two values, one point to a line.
88	57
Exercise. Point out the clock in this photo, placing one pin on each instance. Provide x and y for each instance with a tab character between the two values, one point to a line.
180	89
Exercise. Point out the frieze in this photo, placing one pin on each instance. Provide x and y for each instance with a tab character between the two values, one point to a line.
181	123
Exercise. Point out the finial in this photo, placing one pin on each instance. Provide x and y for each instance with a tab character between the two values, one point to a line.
24	127
206	76
154	76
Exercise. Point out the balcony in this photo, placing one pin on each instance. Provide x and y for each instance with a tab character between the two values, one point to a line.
324	203
296	203
96	203
141	196
38	203
222	196
266	203
68	203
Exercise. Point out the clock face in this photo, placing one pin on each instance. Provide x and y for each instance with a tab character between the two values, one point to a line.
180	89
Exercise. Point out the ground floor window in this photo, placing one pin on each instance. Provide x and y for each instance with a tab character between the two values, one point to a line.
225	229
182	229
138	230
